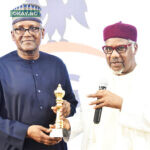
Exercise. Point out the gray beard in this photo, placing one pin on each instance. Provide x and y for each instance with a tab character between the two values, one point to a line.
118	72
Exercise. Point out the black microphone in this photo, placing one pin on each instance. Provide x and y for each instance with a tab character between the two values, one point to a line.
98	111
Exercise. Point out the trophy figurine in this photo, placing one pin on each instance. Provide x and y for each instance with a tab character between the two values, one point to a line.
58	130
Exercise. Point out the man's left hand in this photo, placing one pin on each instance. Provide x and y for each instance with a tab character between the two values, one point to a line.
106	98
66	108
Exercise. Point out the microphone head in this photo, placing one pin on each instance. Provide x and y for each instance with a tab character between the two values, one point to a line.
103	84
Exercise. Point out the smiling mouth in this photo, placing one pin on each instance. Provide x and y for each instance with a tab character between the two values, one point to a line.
27	41
116	62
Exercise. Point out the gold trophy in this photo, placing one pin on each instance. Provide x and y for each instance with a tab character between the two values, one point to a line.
58	131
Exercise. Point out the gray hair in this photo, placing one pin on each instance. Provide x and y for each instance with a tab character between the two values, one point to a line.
133	43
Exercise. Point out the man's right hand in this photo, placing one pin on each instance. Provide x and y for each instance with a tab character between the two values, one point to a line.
38	133
66	108
107	99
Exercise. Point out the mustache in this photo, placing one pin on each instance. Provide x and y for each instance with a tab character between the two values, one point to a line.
116	60
26	40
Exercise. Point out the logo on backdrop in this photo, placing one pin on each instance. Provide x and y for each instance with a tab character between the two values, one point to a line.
58	12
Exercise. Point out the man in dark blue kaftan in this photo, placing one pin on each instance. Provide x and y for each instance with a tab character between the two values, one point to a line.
28	79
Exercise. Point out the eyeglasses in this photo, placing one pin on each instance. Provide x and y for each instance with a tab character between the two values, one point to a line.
119	48
31	30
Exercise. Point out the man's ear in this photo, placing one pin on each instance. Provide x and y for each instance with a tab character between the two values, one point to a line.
12	36
135	48
43	33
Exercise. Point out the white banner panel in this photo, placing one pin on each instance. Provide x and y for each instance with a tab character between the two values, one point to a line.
74	32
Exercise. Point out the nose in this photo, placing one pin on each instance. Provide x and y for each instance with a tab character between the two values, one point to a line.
27	33
115	54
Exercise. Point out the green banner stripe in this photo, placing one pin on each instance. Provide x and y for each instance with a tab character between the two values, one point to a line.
25	13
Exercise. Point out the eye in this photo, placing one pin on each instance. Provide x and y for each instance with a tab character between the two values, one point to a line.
34	29
121	48
108	49
19	29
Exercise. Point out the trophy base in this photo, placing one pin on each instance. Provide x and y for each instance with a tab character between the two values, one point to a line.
56	133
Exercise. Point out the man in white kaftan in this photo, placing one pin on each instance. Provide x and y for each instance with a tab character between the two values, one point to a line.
125	120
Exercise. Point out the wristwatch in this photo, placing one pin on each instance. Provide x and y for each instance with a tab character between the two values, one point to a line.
66	134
